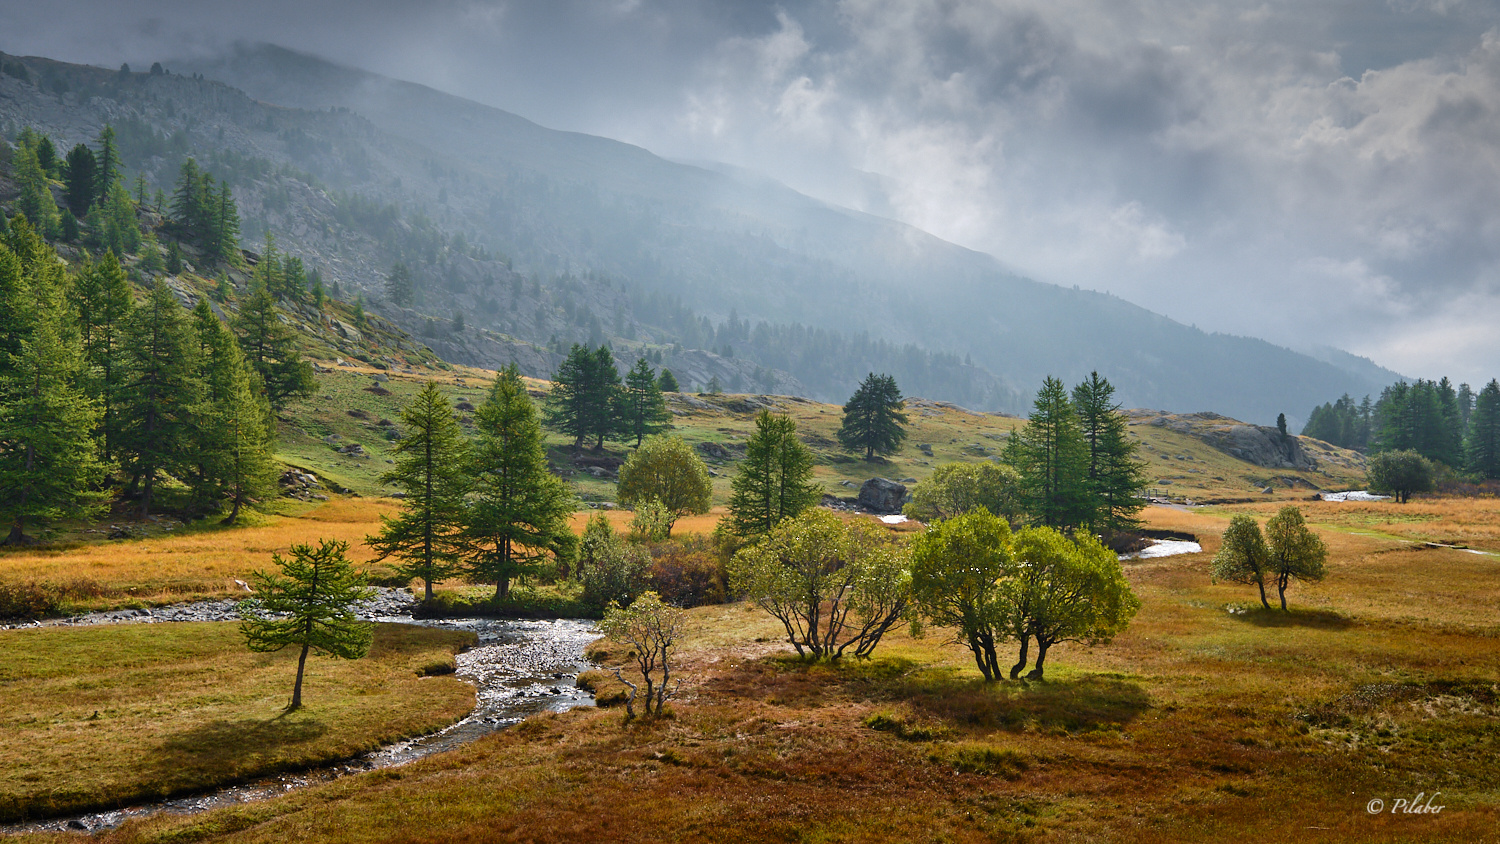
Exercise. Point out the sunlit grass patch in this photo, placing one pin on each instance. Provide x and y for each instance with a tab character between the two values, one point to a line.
101	717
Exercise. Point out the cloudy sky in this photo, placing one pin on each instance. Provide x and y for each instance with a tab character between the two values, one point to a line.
1315	171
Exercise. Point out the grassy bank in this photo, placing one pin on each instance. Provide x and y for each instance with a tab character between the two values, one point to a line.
1208	720
101	717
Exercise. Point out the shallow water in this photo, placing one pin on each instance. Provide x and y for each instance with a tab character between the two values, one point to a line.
1164	548
518	668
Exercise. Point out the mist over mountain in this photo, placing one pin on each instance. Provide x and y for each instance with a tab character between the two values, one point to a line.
799	295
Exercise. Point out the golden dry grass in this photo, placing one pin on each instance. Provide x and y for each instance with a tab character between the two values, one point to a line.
192	565
101	717
1196	724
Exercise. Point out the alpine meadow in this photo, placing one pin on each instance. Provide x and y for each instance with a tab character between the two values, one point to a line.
811	438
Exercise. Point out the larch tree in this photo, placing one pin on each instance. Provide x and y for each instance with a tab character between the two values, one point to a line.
1052	457
79	178
432	462
107	170
310	604
399	287
49	465
666	470
35	201
271	347
1114	477
585	399
102	302
873	418
235	433
1295	551
518	514
642	405
161	394
775	479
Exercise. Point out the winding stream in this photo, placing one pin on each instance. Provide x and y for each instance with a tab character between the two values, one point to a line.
518	668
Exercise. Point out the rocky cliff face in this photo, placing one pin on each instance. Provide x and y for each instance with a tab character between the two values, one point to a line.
1257	444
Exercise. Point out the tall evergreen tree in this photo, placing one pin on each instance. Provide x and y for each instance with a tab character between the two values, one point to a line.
1114	477
119	231
35	201
234	430
398	285
432	464
1051	455
102	302
162	394
46	157
775	478
224	240
49	465
190	203
108	160
79	180
271	347
873	418
645	409
1483	445
518	515
584	401
668	382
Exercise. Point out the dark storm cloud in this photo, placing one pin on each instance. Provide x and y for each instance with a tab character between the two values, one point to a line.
1311	171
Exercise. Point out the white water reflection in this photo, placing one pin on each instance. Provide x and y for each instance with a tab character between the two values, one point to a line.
1164	548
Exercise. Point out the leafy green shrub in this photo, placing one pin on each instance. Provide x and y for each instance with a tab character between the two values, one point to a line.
652	521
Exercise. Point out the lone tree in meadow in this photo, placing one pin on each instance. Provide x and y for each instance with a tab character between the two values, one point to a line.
667	470
873	417
775	478
1295	551
310	603
1400	473
651	629
1243	556
431	464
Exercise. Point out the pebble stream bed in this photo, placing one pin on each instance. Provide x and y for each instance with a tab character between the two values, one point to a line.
518	668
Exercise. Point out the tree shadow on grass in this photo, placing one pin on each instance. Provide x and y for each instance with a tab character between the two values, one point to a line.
1090	703
1314	619
224	751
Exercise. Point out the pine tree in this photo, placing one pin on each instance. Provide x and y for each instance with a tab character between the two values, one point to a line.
161	395
271	347
432	465
35	201
190	208
873	420
1114	477
102	302
668	382
584	401
49	465
79	180
518	515
1051	456
1483	445
775	478
398	285
120	232
107	160
311	603
224	239
234	433
645	409
46	157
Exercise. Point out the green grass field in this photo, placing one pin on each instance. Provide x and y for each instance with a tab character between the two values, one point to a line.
101	717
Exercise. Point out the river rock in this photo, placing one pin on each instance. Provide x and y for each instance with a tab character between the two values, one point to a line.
882	496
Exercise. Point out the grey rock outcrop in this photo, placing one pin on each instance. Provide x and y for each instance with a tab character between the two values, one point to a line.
882	496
